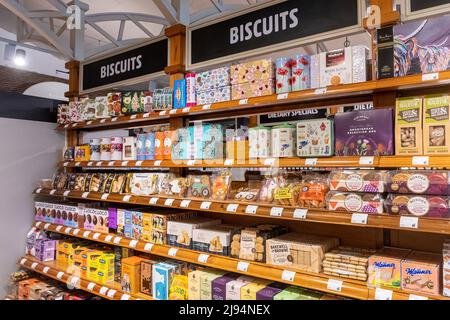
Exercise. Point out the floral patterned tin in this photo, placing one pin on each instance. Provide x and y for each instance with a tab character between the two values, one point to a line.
301	72
249	90
260	70
283	141
213	79
283	75
214	96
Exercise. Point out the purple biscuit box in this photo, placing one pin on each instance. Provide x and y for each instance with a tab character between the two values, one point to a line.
219	286
270	291
364	133
112	218
45	250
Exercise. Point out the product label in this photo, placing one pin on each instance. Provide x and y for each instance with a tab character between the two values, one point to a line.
248	243
354	182
418	206
418	183
353	202
280	254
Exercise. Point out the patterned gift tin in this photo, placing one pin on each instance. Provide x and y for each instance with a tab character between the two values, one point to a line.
301	72
249	90
213	79
283	75
214	96
140	146
260	70
191	99
94	144
149	146
116	148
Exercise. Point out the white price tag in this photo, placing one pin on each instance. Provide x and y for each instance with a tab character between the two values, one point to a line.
99	164
229	162
169	202
90	164
103	290
334	285
70	229
127	198
153	201
416	297
139	163
34	265
186	110
133	116
86	234
320	91
133	243
125	297
74	125
22	262
383	294
103	121
157	163
124	163
206	107
173	111
191	162
409	222
269	162
203	258
108	238
430	76
172	252
91	286
66	164
52	192
117	240
359	218
288	275
105	196
66	193
114	119
251	209
300	213
85	195
163	113
185	203
96	236
76	232
205	205
242	266
366	161
111	164
89	123
74	281
148	246
47	225
59	228
46	270
60	275
77	164
282	96
420	161
111	293
38	224
232	207
243	101
276	212
311	162
146	115
38	190
66	126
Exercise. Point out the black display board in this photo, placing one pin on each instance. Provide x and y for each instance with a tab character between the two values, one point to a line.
134	63
293	115
286	21
417	5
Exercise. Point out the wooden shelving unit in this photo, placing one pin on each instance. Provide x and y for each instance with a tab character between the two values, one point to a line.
59	272
383	221
261	104
321	282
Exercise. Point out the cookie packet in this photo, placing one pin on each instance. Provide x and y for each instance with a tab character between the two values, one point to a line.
77	182
352	202
358	181
249	193
221	185
269	185
419	182
61	181
313	191
418	205
199	186
287	192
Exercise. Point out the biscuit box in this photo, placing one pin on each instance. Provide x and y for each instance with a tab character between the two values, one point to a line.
214	95
215	239
249	72
305	252
73	216
106	272
421	272
131	274
384	267
219	286
234	287
194	284
101	108
269	292
206	280
162	278
59	208
159	145
315	138
42	210
129	151
45	250
250	90
355	202
179	288
191	99
146	276
179	233
335	67
248	292
283	141
212	145
358	180
96	220
419	182
114	103
436	125
408	126
212	79
446	268
418	205
179	94
133	102
364	133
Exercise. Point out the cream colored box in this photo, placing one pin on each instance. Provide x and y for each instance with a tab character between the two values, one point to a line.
249	291
206	279
408	127
194	285
436	125
234	287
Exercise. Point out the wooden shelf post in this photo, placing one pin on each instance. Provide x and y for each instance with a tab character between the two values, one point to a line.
177	52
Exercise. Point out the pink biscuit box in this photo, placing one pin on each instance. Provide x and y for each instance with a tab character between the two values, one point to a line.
385	267
421	272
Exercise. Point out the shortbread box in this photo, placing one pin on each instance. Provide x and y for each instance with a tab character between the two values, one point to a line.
355	202
212	79
336	67
250	90
216	95
385	267
248	72
219	286
283	141
215	239
191	99
101	108
180	233
302	251
259	142
315	138
129	151
436	125
206	283
96	220
249	291
408	126
421	273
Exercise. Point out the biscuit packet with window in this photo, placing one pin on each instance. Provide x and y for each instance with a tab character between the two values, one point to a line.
221	185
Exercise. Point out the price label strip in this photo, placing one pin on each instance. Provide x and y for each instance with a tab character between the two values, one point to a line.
205	205
172	252
359	218
185	203
288	275
232	207
169	202
383	294
334	285
276	212
148	247
203	258
251	209
300	213
242	266
409	222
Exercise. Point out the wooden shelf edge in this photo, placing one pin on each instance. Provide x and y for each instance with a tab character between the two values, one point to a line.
363	88
383	221
51	271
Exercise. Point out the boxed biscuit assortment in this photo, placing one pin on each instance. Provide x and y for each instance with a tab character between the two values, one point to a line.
315	138
355	202
436	125
408	126
347	262
421	272
384	267
418	205
419	182
180	233
358	180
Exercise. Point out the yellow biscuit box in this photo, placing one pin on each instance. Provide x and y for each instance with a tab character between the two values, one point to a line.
249	291
179	288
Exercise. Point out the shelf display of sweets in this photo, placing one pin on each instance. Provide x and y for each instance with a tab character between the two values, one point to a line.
213	86
364	133
283	75
252	79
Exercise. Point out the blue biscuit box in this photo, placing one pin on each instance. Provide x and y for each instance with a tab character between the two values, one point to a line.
179	94
162	278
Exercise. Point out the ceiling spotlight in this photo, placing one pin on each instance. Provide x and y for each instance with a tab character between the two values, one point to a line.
19	58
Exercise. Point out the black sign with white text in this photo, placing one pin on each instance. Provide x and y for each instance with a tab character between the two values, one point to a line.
417	5
293	115
137	62
286	21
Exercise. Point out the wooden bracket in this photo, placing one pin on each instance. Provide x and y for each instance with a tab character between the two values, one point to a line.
74	79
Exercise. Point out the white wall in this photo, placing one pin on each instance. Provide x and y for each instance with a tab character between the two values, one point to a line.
29	151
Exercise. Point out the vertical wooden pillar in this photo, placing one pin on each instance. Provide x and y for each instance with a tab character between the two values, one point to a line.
73	66
177	52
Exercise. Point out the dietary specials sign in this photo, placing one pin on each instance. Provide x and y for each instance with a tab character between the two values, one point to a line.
286	21
293	115
417	5
137	62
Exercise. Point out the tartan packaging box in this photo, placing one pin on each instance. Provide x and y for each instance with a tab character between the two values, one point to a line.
260	70
212	79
